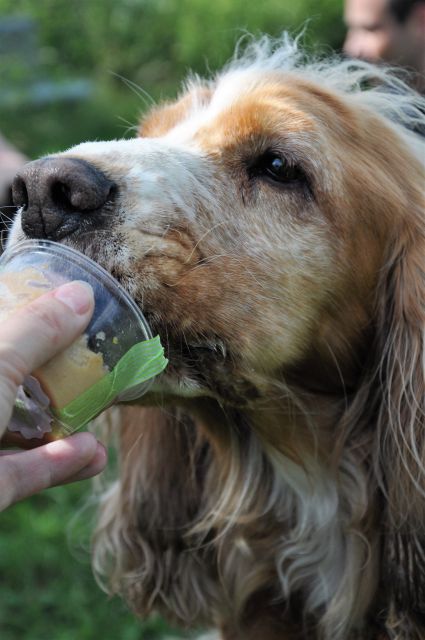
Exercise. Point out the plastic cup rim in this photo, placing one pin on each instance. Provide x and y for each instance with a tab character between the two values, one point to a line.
77	257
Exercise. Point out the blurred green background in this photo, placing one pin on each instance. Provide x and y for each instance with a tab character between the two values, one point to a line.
66	67
92	46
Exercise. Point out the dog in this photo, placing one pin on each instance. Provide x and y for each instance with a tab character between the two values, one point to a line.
270	224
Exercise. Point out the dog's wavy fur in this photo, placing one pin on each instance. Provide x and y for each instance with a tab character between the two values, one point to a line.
288	501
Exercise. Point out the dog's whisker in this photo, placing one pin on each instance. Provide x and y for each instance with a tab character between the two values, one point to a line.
2	239
129	126
6	218
141	93
202	238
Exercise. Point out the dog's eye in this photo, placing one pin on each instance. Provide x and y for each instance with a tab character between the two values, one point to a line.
274	167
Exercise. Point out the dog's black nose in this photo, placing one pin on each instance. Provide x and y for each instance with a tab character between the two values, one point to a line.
58	194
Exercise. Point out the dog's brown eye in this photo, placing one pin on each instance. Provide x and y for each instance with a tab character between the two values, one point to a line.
274	167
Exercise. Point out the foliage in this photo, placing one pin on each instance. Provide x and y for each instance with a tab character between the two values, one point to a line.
153	43
47	588
130	35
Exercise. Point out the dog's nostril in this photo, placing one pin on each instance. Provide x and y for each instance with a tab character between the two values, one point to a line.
20	193
61	195
82	193
112	193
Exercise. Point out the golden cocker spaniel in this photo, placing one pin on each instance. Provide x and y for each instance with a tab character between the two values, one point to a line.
270	223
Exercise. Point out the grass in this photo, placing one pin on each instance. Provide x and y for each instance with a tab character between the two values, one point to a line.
48	591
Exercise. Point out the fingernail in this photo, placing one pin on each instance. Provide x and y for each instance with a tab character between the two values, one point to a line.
77	295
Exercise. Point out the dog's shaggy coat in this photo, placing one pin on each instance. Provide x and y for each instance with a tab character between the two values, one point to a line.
271	225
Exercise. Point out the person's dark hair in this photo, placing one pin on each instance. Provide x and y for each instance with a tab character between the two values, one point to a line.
402	8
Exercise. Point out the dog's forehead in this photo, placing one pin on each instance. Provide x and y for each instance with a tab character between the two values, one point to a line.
242	101
241	112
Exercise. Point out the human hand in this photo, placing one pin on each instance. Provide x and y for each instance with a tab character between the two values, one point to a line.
28	339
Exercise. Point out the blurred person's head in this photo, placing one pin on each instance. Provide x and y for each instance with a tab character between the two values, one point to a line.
392	31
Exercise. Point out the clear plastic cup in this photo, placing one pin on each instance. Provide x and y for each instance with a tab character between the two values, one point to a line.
102	367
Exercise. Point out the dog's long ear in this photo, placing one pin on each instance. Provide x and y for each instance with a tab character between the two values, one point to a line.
401	419
400	434
144	516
